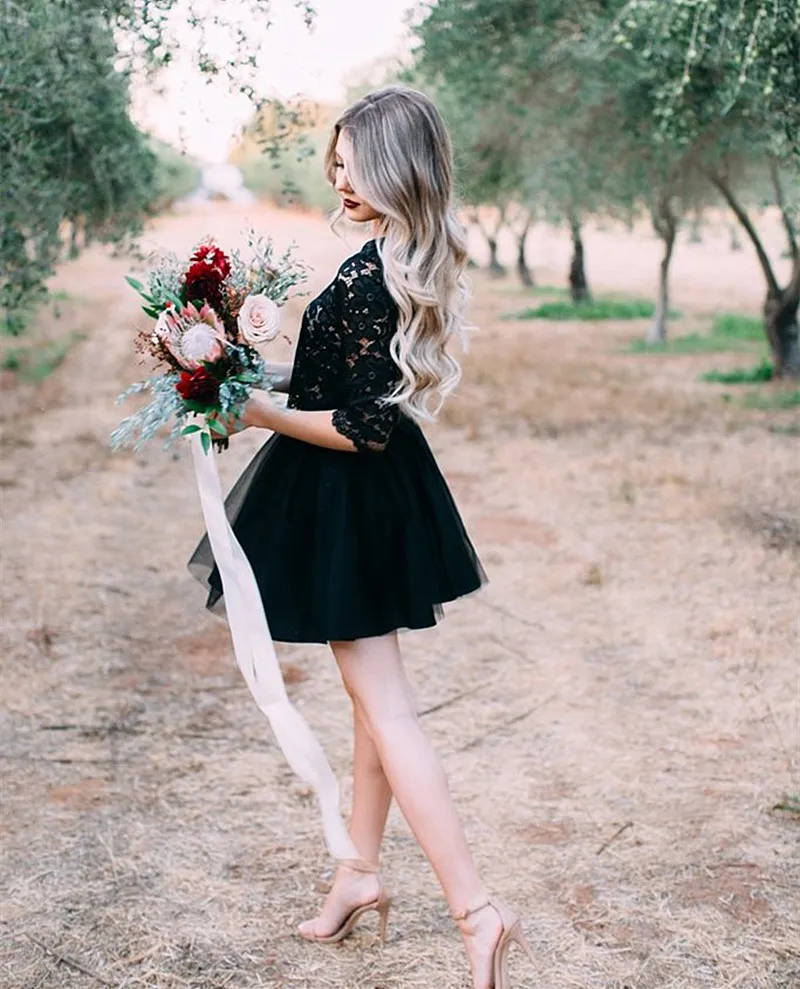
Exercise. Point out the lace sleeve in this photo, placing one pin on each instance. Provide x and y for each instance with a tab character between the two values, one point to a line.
368	319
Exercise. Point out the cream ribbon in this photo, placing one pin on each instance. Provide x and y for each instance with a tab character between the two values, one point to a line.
255	655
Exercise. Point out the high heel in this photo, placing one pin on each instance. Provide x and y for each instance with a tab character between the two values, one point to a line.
511	933
380	905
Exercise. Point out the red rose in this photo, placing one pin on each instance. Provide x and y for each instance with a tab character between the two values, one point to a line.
204	284
198	386
213	257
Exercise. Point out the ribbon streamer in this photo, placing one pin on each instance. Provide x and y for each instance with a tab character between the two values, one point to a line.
256	658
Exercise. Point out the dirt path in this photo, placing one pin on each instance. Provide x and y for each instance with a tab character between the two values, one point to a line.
617	710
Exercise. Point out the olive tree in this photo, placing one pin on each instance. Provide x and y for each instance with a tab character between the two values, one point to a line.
73	166
727	76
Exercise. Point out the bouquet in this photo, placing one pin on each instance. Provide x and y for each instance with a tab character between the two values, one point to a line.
210	315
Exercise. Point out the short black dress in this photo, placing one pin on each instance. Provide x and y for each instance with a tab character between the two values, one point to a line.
348	545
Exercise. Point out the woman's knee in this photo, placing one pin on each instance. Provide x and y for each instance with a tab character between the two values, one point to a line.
373	676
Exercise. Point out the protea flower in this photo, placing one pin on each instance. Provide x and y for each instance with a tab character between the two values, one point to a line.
193	336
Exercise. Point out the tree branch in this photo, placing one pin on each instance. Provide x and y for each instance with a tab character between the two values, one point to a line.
741	215
780	199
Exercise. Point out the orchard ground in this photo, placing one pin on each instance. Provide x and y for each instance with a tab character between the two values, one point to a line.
617	710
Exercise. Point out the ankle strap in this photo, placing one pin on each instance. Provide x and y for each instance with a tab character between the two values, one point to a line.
473	907
359	865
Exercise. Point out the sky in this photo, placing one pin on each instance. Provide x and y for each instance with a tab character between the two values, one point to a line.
348	37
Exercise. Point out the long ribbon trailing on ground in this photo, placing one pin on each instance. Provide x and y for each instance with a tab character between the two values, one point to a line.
255	655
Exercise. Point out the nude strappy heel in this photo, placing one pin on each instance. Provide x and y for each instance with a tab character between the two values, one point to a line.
380	905
511	933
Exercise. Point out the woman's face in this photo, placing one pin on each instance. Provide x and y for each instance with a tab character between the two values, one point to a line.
355	207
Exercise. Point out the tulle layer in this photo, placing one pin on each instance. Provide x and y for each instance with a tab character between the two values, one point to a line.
346	546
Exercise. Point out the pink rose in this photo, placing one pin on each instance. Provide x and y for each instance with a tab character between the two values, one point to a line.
259	319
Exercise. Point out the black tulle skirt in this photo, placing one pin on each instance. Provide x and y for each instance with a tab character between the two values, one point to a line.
346	546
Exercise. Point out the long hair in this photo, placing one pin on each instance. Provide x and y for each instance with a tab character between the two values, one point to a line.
402	165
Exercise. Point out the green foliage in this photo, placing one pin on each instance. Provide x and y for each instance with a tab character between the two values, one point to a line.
176	176
68	149
74	167
35	362
598	309
290	179
741	376
707	61
530	120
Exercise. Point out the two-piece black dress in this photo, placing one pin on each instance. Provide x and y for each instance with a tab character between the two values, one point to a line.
348	545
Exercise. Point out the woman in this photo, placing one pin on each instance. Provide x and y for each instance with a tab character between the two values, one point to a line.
349	526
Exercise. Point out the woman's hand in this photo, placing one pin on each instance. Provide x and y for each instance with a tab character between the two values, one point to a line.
280	376
256	411
311	427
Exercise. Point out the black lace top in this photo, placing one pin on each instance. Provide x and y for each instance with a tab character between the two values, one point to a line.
343	360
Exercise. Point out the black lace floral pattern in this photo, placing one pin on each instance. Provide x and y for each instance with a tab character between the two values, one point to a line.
343	360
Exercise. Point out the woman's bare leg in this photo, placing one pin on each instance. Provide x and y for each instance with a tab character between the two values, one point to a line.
373	672
372	797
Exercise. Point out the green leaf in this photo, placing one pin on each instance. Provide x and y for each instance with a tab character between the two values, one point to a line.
153	313
134	284
217	427
205	439
188	430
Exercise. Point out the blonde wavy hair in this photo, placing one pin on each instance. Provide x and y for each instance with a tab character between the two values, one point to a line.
402	165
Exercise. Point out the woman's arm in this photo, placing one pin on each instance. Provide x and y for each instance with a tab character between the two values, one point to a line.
281	375
364	421
310	427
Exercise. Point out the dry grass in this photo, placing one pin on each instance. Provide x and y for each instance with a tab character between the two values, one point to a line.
617	711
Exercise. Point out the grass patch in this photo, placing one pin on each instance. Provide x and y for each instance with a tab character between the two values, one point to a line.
775	400
35	362
729	332
689	343
741	376
733	326
553	290
789	802
597	309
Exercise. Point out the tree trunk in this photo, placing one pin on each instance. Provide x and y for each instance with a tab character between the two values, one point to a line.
524	272
780	308
73	251
496	270
780	321
666	226
578	285
780	199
